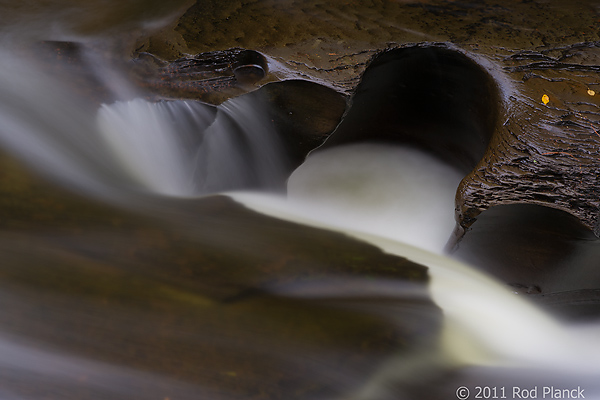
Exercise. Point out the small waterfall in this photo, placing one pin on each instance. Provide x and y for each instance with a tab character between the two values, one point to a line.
393	191
174	148
154	142
186	149
240	150
486	324
401	200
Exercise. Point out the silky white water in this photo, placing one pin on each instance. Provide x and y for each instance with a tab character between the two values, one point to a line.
143	137
392	191
186	149
485	323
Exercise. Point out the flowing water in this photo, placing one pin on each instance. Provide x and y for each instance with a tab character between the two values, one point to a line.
94	304
182	149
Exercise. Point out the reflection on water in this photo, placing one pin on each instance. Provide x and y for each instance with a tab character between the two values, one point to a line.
125	275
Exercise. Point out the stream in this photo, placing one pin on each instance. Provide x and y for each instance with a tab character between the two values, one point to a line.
170	249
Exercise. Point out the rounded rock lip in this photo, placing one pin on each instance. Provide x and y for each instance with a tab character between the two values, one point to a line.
249	73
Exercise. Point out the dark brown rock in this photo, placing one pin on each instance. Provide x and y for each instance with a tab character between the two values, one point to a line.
545	154
303	113
211	77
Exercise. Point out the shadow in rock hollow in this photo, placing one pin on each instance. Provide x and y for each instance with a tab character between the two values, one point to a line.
429	96
544	253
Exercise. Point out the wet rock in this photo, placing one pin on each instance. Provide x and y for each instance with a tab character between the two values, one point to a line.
211	77
541	154
546	149
332	41
536	153
540	252
249	74
280	124
303	113
491	123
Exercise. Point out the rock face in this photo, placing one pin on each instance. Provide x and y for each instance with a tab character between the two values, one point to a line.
303	112
504	61
546	154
